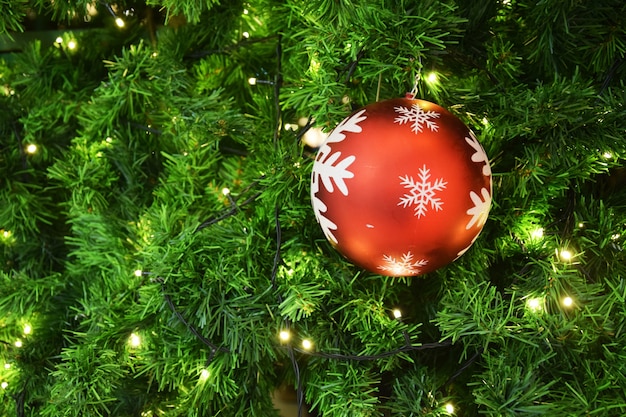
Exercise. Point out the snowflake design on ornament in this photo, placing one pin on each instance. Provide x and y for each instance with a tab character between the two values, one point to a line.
402	266
422	192
479	155
417	117
480	211
330	169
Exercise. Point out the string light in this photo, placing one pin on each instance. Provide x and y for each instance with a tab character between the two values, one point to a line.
314	137
120	22
7	366
225	191
449	408
138	272
565	255
72	44
6	234
4	385
397	313
204	375
537	233
28	329
246	35
31	149
245	11
307	344
58	40
567	301
607	155
534	304
134	340
252	81
18	343
284	336
432	77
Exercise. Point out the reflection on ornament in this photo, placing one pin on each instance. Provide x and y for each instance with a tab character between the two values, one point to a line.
401	187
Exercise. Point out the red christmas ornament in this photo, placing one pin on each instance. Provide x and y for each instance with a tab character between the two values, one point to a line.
401	187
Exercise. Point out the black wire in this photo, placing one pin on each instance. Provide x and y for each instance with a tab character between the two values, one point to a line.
192	329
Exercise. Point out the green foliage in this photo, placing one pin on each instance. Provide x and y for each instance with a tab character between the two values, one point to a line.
159	236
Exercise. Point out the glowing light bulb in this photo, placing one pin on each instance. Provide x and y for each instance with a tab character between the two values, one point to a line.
246	35
205	374
432	77
607	155
134	340
566	255
245	11
397	313
252	81
28	329
58	40
31	149
581	225
567	301
72	44
284	335
4	385
6	234
225	191
534	304
449	408
120	22
314	137
537	233
7	366
138	272
485	121
307	344
18	343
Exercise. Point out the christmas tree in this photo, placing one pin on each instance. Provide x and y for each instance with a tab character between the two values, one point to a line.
160	255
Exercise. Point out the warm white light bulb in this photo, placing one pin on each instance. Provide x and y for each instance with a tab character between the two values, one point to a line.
397	313
71	44
32	148
432	77
565	255
205	374
449	408
4	385
607	155
307	344
314	137
284	335
246	35
7	366
6	234
567	301
120	22
534	304
134	340
28	329
225	191
252	81
58	40
537	233
18	343
138	272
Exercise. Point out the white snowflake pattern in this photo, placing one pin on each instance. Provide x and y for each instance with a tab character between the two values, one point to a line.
330	169
422	192
480	211
479	155
403	266
417	117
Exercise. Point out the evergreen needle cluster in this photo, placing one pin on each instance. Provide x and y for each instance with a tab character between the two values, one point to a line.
159	255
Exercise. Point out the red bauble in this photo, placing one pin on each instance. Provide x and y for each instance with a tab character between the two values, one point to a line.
401	187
